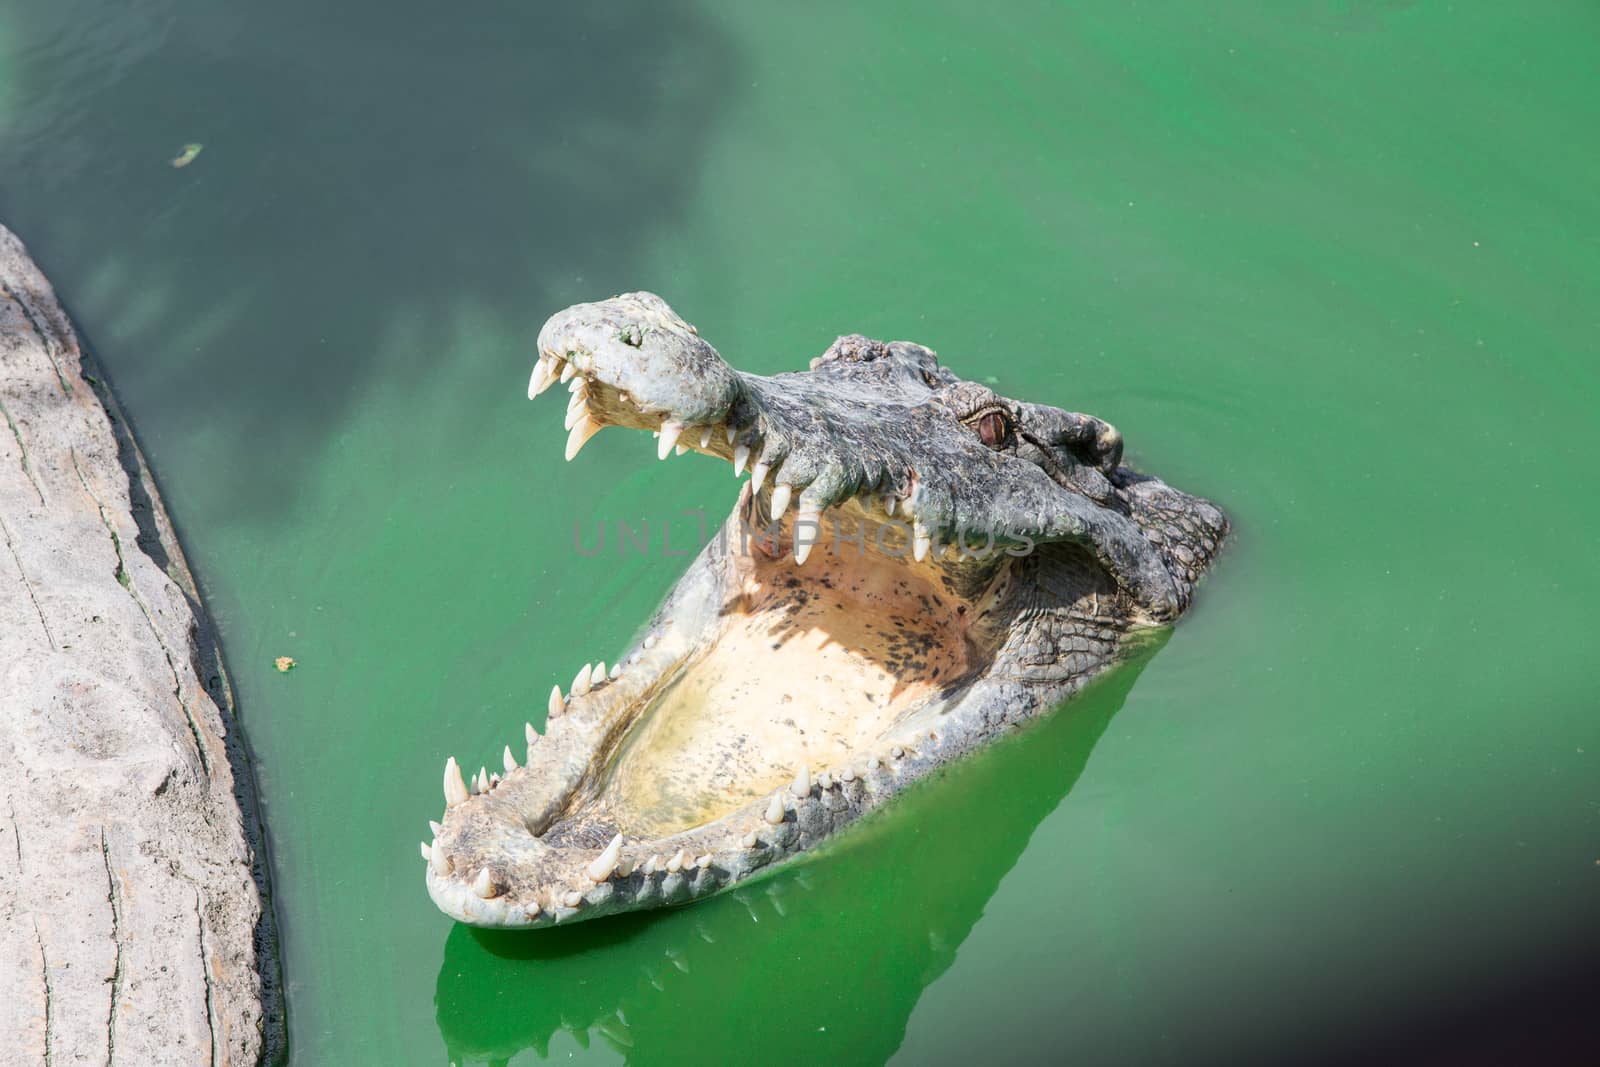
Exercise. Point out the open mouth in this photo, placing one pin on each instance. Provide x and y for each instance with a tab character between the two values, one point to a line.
832	644
796	673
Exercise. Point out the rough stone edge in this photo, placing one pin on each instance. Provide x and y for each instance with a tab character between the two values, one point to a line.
157	539
155	523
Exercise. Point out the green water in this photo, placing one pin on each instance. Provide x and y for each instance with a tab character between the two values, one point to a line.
1334	265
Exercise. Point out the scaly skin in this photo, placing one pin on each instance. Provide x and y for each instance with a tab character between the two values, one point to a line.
925	652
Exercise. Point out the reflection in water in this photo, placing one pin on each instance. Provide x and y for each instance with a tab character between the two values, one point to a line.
759	968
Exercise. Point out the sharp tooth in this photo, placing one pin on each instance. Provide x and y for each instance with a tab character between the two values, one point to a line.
598	675
774	812
802	547
575	416
920	541
557	705
703	861
750	840
581	432
494	781
824	781
669	437
675	864
678	450
651	866
435	827
455	790
509	760
440	863
741	456
544	373
529	732
616	670
733	431
758	474
427	852
568	369
482	886
705	436
579	397
533	910
483	779
897	752
572	898
624	867
780	500
847	775
801	786
888	504
580	684
874	763
577	385
606	862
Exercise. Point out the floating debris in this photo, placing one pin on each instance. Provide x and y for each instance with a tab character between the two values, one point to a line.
183	159
285	664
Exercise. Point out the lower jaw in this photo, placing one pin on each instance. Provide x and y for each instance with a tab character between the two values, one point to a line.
827	692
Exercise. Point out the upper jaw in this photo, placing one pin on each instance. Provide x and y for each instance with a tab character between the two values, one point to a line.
639	346
873	432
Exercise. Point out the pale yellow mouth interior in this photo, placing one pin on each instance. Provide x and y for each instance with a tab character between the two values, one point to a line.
814	667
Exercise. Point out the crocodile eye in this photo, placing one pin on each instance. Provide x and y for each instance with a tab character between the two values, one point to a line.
993	430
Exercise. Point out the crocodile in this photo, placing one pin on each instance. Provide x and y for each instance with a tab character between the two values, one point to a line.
915	566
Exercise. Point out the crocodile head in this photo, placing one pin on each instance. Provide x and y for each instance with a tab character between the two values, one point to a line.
915	565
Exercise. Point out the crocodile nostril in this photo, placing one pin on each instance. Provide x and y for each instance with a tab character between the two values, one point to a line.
1110	444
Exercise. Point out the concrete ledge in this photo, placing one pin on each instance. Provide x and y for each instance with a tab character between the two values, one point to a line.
134	923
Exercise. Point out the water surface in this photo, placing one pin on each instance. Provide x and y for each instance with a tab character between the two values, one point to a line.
1335	267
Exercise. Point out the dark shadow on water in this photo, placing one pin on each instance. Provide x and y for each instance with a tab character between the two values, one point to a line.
763	967
376	178
562	942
